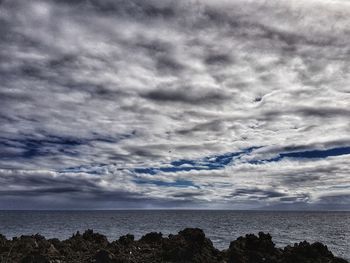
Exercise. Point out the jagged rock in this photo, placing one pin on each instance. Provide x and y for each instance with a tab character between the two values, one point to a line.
3	241
103	256
305	252
25	244
2	238
152	237
52	251
252	248
126	240
97	238
35	258
189	245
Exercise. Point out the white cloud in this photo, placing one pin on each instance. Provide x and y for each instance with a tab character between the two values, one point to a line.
126	85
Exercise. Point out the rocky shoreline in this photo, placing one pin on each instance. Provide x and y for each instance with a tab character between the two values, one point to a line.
189	245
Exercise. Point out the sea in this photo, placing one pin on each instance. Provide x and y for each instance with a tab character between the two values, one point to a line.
286	227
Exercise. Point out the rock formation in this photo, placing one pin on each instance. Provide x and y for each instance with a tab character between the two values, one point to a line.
189	245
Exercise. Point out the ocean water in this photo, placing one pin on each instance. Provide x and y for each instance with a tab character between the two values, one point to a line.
330	228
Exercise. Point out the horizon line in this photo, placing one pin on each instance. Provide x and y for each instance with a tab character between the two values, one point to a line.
173	209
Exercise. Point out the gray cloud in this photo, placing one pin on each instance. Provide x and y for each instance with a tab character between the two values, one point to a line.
200	95
92	90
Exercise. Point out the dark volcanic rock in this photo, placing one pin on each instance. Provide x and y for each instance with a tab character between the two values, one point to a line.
305	252
189	245
3	239
126	240
253	249
35	258
104	256
152	237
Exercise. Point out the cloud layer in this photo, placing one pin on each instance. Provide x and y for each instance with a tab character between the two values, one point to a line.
224	104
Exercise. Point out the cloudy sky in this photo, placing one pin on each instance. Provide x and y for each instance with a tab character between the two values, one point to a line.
241	104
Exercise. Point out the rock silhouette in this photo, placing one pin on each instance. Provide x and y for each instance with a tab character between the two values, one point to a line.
189	245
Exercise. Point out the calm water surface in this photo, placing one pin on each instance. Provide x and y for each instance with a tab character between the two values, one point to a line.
330	228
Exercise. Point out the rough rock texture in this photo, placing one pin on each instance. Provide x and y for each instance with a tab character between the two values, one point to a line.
189	245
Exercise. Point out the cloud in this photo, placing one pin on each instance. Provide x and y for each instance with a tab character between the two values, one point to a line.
199	95
94	92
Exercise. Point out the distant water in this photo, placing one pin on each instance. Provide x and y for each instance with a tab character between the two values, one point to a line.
330	228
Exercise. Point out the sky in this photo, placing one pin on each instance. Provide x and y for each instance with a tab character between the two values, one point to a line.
188	104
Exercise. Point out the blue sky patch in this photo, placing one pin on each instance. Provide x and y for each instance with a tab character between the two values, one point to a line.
52	145
311	154
40	147
207	163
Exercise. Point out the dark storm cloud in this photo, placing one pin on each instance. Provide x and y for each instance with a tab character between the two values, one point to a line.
138	9
11	97
219	59
168	64
325	112
92	90
80	186
45	180
38	187
192	95
256	193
